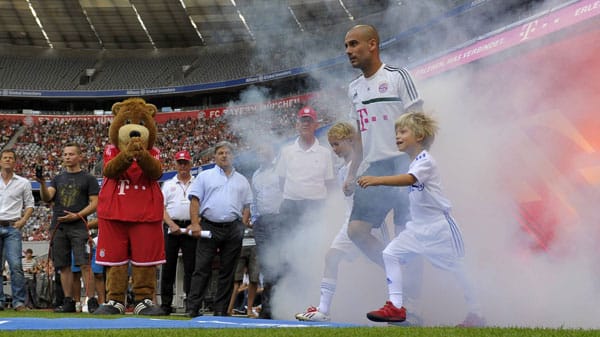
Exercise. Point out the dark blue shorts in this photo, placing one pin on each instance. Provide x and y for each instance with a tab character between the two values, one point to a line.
372	204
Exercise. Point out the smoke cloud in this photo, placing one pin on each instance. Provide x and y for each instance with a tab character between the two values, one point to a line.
494	158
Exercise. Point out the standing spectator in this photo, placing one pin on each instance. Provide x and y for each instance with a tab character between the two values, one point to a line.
267	222
247	265
221	197
176	221
74	194
30	270
306	174
96	283
16	206
305	169
45	283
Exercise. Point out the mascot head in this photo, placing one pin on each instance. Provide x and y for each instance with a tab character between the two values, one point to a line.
133	118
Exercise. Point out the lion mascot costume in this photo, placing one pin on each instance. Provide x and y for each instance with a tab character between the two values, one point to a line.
130	210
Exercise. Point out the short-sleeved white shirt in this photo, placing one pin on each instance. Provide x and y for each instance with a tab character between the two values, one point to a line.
175	194
377	102
305	171
427	202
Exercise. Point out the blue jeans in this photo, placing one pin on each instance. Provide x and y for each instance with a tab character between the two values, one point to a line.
11	246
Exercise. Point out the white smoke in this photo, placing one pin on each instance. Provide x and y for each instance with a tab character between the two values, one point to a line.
488	160
485	155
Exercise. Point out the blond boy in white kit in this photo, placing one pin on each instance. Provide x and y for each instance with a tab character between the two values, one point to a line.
432	232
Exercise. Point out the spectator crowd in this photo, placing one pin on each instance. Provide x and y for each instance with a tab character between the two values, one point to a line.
41	143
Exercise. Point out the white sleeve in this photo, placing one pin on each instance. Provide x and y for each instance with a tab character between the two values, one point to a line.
422	169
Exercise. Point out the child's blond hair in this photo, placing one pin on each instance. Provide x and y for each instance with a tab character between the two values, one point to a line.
421	124
341	131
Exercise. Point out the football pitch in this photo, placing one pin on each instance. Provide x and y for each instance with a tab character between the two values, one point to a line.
38	323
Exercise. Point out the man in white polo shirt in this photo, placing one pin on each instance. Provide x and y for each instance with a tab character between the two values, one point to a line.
176	220
305	169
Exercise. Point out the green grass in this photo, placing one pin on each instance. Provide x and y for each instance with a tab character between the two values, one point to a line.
281	332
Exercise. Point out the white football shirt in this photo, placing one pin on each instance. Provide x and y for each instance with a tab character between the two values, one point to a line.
427	202
377	102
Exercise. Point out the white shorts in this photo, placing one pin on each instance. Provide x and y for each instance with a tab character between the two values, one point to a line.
343	243
439	241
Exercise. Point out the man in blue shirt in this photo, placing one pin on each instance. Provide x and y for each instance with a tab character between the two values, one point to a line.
220	201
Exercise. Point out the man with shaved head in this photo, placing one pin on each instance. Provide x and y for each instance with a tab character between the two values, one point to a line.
362	48
379	96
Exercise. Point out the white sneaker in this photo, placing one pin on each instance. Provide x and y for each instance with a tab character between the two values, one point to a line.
84	306
313	314
78	307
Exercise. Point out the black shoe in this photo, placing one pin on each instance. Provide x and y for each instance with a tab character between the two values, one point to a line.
167	309
92	304
265	315
68	306
147	308
192	313
220	313
110	308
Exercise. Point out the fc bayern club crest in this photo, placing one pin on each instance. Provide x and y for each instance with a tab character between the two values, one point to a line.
383	87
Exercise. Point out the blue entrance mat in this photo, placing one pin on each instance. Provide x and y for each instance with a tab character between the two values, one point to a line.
28	323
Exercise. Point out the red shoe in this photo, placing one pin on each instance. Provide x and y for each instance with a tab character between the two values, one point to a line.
388	313
472	321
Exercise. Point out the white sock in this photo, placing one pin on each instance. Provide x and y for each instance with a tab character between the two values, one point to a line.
327	291
393	273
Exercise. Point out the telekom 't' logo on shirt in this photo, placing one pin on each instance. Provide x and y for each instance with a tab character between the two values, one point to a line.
364	119
124	185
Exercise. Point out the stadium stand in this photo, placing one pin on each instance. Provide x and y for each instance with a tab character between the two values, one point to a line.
137	71
37	227
35	144
49	72
7	130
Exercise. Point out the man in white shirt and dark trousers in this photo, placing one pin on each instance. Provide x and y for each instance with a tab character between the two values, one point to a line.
220	200
16	206
305	168
176	221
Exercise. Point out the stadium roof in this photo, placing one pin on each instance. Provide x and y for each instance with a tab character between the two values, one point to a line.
158	24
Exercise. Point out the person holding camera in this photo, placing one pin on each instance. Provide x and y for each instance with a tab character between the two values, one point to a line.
74	194
15	195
